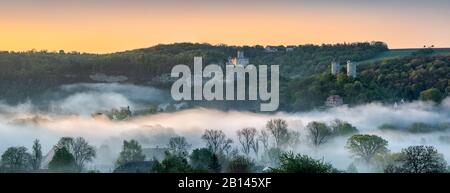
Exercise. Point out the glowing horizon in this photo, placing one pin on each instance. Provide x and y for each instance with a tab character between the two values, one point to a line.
109	26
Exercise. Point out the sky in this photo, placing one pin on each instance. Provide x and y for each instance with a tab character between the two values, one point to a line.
105	26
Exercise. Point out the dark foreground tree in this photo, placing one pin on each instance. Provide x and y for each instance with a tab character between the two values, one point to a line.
62	161
131	152
172	163
16	159
366	146
240	164
79	148
419	159
204	160
214	165
290	163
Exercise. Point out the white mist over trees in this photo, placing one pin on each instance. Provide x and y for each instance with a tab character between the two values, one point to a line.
405	125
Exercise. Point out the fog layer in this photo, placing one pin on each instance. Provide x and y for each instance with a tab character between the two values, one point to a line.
67	112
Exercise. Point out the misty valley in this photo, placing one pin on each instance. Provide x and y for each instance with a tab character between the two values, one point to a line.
132	128
343	108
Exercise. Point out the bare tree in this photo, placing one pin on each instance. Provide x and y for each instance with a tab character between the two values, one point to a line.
247	139
279	130
216	141
319	133
179	146
82	152
255	146
263	137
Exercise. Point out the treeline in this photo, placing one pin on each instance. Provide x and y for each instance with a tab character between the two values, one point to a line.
26	73
265	150
422	77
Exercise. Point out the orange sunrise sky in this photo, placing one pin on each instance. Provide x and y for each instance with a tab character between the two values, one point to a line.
104	26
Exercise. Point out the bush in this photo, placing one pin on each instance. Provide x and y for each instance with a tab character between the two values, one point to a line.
290	163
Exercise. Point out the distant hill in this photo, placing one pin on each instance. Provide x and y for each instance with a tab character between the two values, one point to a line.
385	75
25	74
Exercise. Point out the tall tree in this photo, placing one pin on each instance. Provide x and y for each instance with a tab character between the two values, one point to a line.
200	158
36	155
247	139
131	152
318	132
217	141
279	130
179	146
263	137
367	146
82	152
214	164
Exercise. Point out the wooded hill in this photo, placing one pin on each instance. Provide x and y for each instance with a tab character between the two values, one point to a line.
305	78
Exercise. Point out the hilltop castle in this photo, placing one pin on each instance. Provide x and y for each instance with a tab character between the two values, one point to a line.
351	68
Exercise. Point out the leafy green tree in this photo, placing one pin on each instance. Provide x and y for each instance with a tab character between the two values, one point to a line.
279	130
16	159
36	156
131	152
62	161
240	164
214	164
431	94
172	164
290	163
201	158
342	128
79	148
366	146
273	155
319	133
421	159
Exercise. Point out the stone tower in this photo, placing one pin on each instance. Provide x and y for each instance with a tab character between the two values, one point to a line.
351	69
335	68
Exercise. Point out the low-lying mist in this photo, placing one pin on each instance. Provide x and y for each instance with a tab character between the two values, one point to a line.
67	112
